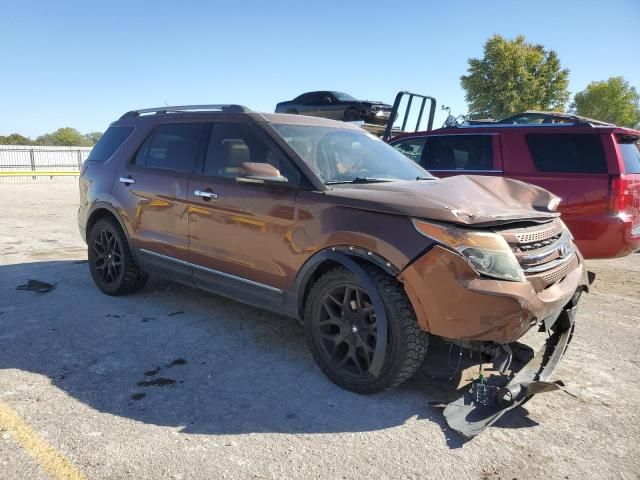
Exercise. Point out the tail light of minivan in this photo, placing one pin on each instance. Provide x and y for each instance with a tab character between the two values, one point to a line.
625	197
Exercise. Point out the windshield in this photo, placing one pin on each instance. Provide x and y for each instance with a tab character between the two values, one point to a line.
344	97
348	156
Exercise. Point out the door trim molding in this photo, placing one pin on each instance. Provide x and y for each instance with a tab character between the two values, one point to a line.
211	271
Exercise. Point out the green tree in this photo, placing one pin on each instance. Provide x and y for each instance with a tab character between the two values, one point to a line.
514	76
15	139
65	136
92	137
612	101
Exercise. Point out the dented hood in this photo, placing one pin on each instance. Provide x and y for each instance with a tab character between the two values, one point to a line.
463	199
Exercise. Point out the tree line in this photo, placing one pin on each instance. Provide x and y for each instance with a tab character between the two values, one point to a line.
514	76
65	136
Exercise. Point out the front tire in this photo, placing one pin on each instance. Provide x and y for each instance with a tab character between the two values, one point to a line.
111	263
351	115
340	325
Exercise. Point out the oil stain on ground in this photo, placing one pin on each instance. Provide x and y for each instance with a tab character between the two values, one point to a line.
177	361
157	382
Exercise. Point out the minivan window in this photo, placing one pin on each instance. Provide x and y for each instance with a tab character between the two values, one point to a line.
567	152
109	142
459	152
171	146
630	151
411	147
234	145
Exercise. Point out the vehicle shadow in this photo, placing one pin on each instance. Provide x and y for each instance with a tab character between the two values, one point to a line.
175	356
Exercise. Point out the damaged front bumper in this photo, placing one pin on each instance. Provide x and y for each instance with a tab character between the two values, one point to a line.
453	301
486	401
489	316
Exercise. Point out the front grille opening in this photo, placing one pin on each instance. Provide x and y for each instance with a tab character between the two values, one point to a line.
535	245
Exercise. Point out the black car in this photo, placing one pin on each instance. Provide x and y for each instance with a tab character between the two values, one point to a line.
337	106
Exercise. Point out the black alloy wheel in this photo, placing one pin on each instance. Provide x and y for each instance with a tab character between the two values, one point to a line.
346	336
347	330
107	258
111	263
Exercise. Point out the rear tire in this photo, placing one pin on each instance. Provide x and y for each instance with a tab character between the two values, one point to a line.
111	263
340	326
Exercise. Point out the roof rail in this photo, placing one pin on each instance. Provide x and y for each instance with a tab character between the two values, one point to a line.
186	108
531	125
551	117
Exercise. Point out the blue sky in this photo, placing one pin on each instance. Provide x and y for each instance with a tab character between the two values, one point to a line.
82	64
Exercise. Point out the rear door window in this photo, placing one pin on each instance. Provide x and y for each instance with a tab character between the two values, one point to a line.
109	142
411	147
630	150
172	146
458	152
567	152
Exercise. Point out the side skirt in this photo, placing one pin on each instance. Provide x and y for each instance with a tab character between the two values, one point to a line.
220	283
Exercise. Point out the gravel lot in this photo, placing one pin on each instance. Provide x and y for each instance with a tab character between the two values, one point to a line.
233	392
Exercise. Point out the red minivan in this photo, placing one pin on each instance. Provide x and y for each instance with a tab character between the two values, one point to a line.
594	169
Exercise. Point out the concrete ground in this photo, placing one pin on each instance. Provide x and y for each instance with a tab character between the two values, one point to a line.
175	383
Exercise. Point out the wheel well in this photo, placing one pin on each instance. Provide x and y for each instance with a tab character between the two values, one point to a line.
98	214
322	268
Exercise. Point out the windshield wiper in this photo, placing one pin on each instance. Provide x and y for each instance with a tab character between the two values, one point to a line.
359	180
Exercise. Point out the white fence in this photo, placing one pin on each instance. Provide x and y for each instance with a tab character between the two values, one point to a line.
29	162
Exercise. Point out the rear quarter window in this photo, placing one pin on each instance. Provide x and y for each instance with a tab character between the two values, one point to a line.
567	152
109	143
630	150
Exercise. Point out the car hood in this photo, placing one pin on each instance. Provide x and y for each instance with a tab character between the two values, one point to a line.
463	199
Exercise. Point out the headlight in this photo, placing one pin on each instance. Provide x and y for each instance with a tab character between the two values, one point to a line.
488	253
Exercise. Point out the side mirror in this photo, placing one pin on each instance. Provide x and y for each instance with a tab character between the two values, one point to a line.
254	172
326	100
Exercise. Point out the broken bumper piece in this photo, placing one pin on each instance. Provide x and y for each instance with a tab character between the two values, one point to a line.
484	403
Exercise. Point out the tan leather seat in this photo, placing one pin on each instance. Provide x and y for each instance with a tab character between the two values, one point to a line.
234	154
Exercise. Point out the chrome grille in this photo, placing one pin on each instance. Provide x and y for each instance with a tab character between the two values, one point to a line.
545	252
526	247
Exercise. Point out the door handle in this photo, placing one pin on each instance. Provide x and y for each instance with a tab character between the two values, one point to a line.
206	195
127	180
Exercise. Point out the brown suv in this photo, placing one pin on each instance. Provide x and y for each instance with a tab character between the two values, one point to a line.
321	221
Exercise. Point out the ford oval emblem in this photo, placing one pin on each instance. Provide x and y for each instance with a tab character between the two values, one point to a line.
564	250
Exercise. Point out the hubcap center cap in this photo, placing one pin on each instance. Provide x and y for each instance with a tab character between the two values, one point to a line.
354	329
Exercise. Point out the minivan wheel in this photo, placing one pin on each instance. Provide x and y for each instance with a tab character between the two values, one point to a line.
341	329
112	266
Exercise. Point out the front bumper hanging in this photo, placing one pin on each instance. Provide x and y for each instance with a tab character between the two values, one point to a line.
484	403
